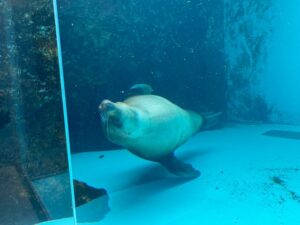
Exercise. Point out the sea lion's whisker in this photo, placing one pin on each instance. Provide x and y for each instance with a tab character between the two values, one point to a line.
104	121
105	127
103	116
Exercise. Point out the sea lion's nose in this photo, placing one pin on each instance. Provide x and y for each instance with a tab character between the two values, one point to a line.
106	105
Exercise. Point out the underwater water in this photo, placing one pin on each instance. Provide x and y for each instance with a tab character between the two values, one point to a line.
157	112
237	58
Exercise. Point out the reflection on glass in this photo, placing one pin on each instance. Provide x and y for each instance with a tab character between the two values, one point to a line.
34	176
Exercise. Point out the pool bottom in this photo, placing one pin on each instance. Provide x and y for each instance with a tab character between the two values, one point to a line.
19	197
246	178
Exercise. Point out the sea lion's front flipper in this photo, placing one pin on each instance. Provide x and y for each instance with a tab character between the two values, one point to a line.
140	89
178	167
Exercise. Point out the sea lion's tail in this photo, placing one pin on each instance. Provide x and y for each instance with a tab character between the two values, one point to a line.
211	120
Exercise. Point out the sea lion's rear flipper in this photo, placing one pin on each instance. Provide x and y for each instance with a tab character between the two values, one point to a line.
178	167
140	89
211	120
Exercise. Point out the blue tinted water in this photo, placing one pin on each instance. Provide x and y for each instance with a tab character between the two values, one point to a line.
240	58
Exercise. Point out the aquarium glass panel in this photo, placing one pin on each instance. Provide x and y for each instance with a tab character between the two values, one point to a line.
175	48
34	171
183	111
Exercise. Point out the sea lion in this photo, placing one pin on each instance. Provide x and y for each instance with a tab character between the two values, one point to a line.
152	127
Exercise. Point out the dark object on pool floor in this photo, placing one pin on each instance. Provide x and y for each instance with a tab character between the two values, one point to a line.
85	193
91	203
278	180
283	134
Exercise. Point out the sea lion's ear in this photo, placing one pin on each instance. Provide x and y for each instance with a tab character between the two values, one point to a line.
140	89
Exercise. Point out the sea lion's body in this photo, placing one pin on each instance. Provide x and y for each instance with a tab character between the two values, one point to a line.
163	126
151	127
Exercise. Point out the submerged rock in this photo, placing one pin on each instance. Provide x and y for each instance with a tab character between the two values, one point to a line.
91	203
85	193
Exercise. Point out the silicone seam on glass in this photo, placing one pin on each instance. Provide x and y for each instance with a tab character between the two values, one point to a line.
64	102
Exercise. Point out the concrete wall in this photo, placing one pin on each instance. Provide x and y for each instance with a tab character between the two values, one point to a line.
263	60
280	83
248	26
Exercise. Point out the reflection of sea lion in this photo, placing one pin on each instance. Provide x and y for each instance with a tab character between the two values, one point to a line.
152	127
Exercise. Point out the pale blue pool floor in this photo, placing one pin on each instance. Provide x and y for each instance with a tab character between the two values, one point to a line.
247	178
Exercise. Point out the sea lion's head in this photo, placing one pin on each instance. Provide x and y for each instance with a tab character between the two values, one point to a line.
119	121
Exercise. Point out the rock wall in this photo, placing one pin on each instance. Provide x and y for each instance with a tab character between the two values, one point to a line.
262	53
31	119
248	26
